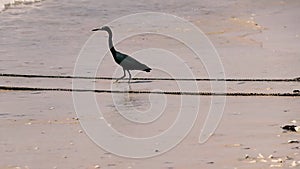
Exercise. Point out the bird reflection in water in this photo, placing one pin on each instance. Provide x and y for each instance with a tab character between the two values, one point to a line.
126	102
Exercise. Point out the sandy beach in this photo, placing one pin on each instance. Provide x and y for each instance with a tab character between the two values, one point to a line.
41	129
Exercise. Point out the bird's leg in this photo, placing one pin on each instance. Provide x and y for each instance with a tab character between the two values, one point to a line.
122	77
129	76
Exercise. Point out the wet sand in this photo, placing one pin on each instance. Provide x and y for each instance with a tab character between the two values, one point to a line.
255	40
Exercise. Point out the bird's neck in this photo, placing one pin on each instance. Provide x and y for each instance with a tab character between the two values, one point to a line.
110	44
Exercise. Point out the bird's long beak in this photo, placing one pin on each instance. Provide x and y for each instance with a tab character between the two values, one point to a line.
97	29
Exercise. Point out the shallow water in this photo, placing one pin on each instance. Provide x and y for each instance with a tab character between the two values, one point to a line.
46	37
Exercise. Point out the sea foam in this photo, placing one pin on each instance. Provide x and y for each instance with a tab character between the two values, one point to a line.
6	3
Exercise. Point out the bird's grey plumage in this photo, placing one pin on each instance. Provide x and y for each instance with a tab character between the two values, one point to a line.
127	62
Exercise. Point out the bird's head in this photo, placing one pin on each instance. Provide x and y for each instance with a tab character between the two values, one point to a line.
104	28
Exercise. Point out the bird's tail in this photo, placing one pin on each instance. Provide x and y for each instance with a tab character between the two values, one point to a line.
147	70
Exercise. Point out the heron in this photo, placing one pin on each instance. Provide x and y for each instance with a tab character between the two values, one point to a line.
125	61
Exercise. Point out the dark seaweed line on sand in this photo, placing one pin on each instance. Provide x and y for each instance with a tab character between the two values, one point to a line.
177	79
13	88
